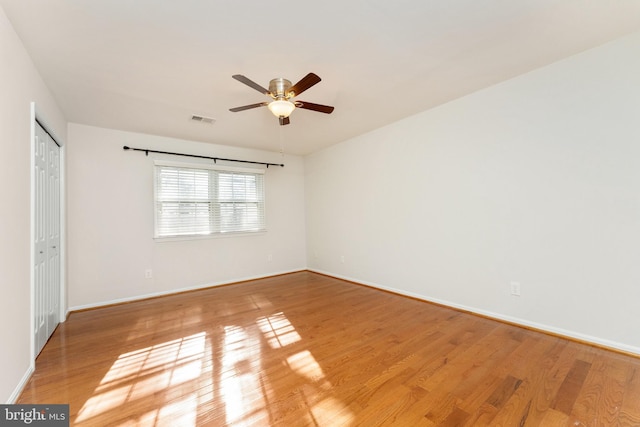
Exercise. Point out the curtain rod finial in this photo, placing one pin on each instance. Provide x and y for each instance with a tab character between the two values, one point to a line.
126	148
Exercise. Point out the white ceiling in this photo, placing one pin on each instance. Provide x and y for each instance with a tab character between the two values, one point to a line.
149	65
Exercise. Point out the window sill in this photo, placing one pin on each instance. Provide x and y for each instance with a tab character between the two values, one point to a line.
209	236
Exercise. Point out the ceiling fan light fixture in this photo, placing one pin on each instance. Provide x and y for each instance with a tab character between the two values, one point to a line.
281	107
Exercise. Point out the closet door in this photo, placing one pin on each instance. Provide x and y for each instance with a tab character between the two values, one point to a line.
47	237
53	236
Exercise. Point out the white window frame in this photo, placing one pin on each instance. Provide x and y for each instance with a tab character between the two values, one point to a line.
215	221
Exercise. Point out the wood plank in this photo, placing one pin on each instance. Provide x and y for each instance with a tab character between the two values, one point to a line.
630	409
307	349
602	394
547	381
504	391
571	386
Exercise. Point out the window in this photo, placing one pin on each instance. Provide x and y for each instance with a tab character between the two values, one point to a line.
199	200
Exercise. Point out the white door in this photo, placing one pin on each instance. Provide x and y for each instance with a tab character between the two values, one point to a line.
47	237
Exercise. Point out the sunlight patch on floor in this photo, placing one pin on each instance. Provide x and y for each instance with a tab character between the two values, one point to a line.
167	381
331	412
240	381
141	373
278	331
324	409
303	363
180	413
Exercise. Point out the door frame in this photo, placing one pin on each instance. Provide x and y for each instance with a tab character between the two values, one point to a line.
37	118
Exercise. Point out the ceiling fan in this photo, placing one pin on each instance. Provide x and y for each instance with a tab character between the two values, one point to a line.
282	93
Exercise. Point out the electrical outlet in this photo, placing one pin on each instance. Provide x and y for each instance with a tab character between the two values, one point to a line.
270	257
515	289
342	259
148	274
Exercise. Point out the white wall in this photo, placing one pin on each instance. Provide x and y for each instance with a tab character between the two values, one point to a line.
535	180
20	84
110	216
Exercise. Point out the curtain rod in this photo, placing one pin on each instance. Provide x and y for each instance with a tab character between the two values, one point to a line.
215	159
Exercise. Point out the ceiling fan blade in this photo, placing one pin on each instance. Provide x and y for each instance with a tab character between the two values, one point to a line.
250	83
304	84
248	107
284	121
315	107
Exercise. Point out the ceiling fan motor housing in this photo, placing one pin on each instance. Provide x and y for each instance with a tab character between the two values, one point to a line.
279	88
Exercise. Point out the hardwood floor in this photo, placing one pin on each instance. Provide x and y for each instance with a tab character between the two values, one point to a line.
308	350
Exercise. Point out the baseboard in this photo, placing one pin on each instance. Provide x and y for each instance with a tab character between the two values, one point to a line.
176	291
21	385
551	330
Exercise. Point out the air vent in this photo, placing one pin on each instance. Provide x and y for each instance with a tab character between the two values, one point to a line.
202	119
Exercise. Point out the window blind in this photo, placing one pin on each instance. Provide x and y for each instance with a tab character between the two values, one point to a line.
191	201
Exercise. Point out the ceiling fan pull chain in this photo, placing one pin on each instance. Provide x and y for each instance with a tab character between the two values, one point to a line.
281	141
